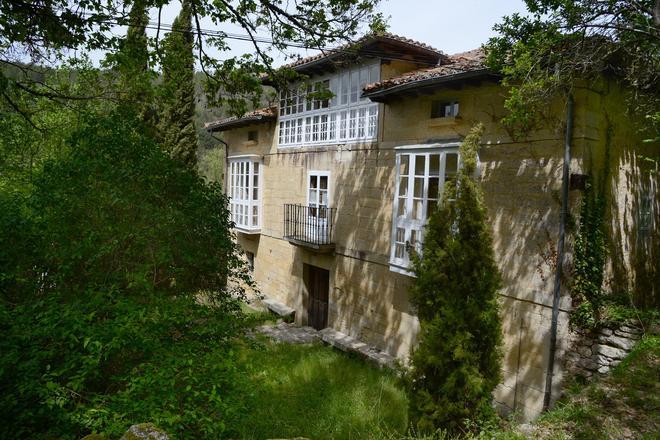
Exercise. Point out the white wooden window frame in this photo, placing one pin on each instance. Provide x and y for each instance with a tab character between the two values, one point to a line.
241	192
407	223
318	175
318	225
346	102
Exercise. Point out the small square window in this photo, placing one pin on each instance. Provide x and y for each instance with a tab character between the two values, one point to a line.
444	109
253	135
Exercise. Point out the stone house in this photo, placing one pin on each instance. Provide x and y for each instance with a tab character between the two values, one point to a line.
326	193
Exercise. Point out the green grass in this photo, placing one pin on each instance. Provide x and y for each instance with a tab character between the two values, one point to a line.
317	392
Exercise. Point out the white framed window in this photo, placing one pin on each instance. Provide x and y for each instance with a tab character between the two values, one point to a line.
422	172
318	202
318	189
346	117
244	189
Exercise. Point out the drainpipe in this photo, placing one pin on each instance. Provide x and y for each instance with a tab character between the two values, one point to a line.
560	254
224	173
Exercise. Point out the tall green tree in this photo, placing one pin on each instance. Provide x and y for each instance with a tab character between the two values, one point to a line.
177	124
543	53
61	29
135	76
456	364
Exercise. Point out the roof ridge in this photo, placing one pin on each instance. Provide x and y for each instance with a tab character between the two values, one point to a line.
326	52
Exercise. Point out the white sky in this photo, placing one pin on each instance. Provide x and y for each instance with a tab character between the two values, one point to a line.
449	25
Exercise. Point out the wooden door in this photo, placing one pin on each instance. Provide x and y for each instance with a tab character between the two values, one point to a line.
318	286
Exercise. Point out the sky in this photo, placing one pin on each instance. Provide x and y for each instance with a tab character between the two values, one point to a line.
449	25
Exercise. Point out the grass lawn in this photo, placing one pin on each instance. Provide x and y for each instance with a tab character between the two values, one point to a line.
317	392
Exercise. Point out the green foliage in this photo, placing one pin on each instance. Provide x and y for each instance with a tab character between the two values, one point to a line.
456	365
114	270
118	212
589	260
58	30
542	54
103	361
177	123
132	64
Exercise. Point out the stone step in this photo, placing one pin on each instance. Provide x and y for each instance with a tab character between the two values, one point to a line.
350	344
286	312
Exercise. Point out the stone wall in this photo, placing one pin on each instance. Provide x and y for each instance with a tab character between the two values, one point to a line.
597	352
521	182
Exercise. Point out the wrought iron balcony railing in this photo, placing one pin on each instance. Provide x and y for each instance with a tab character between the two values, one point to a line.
311	226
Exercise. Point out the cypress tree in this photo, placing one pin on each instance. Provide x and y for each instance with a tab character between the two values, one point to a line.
177	126
456	365
132	63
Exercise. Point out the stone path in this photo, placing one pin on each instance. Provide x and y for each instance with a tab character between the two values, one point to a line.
292	334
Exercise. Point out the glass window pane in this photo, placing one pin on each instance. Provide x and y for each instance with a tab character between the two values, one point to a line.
398	250
418	187
418	213
312	182
374	73
434	165
355	85
404	165
420	164
323	182
400	235
451	163
434	184
401	210
403	186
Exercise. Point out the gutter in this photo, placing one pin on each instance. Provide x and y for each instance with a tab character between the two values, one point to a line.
560	255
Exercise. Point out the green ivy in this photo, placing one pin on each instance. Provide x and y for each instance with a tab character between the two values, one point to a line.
589	261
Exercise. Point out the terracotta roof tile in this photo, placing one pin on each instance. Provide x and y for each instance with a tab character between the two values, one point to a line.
365	39
258	115
472	60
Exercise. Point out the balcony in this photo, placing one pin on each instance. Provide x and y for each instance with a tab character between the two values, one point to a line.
312	227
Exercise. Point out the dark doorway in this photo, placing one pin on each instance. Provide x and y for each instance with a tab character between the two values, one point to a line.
317	281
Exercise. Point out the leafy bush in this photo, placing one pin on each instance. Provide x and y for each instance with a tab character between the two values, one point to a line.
456	365
104	361
118	212
114	269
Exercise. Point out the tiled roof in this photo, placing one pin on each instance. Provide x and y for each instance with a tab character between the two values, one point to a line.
383	37
458	64
258	115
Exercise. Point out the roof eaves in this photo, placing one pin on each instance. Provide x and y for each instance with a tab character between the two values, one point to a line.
427	82
228	123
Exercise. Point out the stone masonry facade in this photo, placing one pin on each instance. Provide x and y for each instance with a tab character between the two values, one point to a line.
521	180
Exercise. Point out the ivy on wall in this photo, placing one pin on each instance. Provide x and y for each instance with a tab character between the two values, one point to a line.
589	260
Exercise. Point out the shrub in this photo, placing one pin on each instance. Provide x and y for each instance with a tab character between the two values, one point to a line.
114	269
456	365
118	212
104	361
